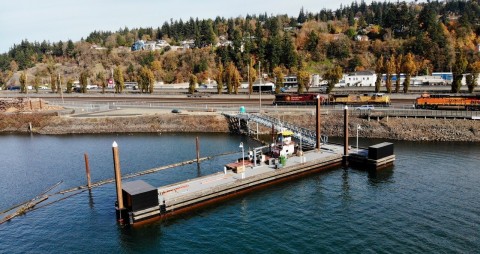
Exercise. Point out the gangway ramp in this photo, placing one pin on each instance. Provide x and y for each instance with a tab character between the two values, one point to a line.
307	136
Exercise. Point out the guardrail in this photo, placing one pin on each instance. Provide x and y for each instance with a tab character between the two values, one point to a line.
419	113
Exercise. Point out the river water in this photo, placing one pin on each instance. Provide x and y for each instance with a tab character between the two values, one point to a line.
427	202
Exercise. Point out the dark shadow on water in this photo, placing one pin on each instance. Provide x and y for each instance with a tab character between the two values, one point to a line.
90	199
379	176
345	184
136	239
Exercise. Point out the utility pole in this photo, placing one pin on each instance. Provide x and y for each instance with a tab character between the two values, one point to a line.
260	85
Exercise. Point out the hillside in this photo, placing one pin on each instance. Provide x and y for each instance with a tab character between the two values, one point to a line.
433	36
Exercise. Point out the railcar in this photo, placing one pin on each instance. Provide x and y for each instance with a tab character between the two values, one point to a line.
298	99
379	99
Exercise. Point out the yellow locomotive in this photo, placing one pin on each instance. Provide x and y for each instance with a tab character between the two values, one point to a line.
360	99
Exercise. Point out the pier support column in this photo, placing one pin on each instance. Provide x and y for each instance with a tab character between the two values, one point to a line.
345	135
318	123
120	209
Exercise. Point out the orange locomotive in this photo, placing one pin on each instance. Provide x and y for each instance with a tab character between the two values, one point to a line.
467	102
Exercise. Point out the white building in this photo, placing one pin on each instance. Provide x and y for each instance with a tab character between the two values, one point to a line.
359	78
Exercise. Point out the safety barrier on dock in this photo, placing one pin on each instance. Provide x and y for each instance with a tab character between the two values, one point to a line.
307	136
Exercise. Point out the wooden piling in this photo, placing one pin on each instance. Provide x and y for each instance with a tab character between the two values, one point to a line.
87	169
318	123
118	181
345	135
197	143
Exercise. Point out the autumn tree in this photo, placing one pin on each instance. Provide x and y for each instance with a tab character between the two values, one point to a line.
53	82
69	85
192	83
23	81
119	81
398	71
379	68
409	67
252	76
303	79
472	77
146	80
36	82
101	80
84	75
237	78
389	70
59	83
232	76
459	68
332	76
219	78
278	72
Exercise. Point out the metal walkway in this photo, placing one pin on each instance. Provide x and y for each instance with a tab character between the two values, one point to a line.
305	135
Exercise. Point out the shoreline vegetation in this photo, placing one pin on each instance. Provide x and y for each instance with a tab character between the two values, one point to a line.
408	129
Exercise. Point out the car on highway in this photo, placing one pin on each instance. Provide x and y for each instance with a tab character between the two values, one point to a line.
365	107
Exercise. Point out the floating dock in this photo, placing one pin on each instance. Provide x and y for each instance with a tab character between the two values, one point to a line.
144	202
139	202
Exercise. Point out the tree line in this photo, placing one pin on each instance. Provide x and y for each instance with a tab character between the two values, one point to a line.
388	37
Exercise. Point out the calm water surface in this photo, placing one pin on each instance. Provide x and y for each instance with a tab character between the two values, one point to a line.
427	202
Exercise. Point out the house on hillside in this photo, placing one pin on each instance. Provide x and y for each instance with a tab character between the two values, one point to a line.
359	37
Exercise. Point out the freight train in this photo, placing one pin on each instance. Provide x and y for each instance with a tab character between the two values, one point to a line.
467	102
352	99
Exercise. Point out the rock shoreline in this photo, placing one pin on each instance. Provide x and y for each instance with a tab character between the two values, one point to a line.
409	129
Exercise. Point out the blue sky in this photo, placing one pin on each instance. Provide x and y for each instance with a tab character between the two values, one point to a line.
55	20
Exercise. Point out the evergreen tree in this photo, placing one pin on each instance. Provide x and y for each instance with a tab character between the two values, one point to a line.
289	56
301	16
274	51
312	42
70	48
